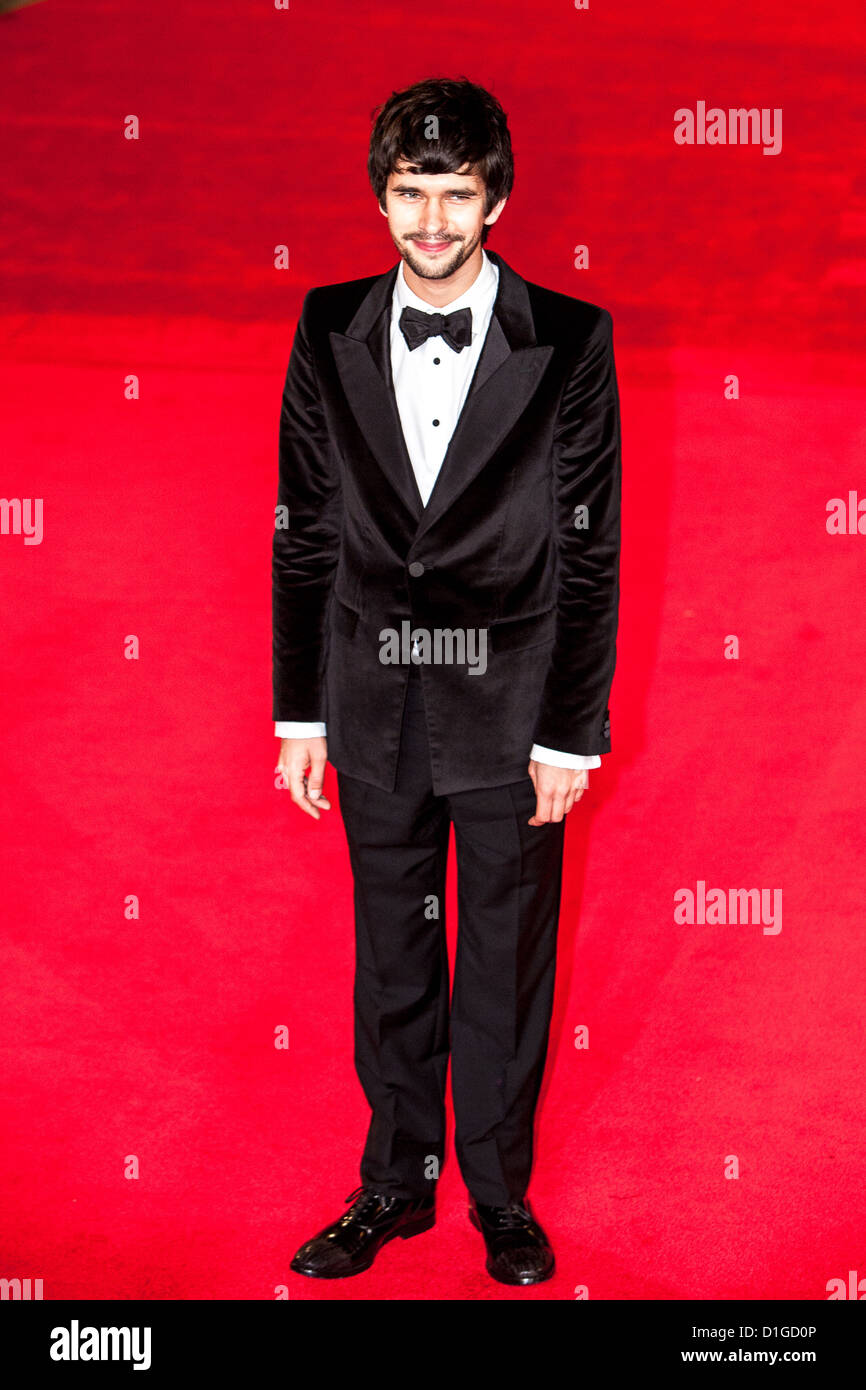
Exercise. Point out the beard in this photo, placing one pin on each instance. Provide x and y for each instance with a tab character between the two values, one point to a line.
441	268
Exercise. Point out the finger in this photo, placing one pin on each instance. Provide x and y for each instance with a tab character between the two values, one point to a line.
316	779
313	799
298	789
542	809
284	768
557	809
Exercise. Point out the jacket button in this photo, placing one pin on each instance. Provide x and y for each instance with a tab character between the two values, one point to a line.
416	569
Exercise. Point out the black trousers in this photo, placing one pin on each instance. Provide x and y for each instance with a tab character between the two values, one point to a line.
509	877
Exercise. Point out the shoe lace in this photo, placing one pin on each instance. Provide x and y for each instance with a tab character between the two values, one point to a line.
362	1198
513	1214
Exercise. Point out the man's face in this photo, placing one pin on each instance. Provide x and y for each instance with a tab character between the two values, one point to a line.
435	220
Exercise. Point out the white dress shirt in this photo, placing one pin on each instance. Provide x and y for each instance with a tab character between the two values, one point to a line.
431	385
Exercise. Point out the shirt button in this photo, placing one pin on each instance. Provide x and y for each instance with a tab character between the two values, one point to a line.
435	422
436	361
416	569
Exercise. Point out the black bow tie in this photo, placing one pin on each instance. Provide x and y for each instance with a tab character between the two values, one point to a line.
456	328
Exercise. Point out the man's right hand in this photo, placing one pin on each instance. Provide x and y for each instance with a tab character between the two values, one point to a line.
297	756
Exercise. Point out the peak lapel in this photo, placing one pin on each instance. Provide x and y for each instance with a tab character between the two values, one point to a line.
509	370
508	373
363	359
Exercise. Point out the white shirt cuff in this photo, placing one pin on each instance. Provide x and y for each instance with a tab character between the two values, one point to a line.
553	758
293	728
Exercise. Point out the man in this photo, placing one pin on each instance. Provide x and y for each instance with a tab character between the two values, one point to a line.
445	599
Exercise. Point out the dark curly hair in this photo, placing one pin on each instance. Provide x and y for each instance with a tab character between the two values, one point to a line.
471	130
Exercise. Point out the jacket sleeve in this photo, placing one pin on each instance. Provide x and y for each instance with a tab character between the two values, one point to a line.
306	539
573	714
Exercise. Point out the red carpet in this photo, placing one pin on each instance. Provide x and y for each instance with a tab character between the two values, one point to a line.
155	1037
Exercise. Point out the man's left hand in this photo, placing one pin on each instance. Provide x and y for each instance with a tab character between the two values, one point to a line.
556	790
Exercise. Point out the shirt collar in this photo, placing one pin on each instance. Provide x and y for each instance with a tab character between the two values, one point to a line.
478	297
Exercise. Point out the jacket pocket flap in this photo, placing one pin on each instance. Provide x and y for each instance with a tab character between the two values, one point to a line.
514	634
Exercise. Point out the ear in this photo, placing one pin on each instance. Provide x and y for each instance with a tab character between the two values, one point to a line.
494	214
383	209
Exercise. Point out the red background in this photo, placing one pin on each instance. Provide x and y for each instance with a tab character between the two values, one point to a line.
155	257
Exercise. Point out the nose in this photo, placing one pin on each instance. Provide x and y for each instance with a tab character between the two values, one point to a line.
434	221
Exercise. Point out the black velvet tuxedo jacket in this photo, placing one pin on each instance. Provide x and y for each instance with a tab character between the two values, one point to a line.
503	544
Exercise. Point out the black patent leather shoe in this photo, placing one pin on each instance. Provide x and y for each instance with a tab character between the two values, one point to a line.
351	1244
518	1251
